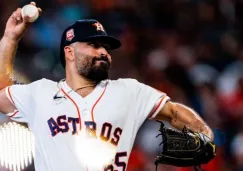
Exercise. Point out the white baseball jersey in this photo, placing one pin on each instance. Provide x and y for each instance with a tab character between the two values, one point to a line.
78	133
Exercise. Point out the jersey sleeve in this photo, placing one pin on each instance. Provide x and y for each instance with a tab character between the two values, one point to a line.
148	101
23	98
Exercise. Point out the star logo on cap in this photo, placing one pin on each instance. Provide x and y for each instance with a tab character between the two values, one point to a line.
99	27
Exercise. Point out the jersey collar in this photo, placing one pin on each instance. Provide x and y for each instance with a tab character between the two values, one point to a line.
67	88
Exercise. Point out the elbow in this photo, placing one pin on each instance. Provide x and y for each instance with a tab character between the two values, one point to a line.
173	108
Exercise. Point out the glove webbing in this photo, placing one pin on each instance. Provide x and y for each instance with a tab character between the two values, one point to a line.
185	131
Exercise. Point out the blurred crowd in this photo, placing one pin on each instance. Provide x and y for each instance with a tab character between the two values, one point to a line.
189	49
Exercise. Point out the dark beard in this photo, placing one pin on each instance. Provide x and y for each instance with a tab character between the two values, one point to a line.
94	72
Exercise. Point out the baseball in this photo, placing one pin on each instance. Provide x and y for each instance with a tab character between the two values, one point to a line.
31	11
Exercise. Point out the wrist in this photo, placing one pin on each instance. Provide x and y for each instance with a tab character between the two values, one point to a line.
10	38
209	134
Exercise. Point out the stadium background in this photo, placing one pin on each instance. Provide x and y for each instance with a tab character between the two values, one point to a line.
190	49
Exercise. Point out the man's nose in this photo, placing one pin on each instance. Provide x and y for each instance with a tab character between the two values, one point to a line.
102	51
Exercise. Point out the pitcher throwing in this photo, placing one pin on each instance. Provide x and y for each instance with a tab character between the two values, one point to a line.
86	109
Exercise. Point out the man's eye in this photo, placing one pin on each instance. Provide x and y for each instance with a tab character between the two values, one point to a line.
92	44
107	47
97	45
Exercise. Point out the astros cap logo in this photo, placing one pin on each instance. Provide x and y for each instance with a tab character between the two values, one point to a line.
99	27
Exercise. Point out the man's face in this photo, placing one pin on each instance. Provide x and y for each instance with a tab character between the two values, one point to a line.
92	60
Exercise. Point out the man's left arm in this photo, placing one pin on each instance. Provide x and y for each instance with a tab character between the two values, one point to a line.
179	115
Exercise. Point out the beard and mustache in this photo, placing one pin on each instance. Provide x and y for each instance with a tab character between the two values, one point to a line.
88	67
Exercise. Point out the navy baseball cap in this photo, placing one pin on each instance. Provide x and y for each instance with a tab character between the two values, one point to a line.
84	31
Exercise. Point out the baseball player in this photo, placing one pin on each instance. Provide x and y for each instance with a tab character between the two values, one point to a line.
85	102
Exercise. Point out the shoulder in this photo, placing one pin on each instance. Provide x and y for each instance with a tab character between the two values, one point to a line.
41	85
129	85
35	88
45	83
133	86
124	82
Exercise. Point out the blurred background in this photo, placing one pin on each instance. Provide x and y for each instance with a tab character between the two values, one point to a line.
189	49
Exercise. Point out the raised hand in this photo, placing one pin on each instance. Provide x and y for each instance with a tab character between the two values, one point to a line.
16	25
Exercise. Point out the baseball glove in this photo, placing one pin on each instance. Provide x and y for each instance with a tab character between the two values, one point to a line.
184	148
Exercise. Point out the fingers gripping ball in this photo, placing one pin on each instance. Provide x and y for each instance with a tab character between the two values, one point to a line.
184	148
31	12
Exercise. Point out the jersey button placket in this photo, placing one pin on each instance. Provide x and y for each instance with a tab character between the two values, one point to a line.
86	112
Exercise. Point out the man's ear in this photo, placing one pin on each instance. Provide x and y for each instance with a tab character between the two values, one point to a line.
69	53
